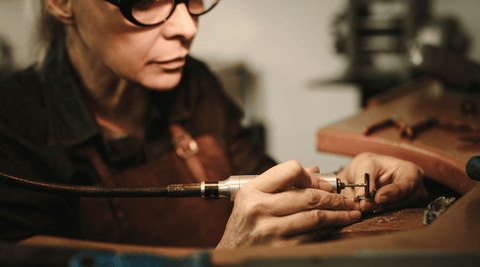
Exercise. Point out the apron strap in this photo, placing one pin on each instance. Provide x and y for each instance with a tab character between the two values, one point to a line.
186	148
100	166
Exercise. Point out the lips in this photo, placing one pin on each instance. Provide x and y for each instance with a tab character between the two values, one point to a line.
171	64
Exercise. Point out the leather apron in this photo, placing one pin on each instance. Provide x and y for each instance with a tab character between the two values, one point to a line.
186	222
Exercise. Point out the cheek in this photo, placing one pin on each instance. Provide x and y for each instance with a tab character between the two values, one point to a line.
126	55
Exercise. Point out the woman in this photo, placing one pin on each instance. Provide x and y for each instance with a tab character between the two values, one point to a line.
115	87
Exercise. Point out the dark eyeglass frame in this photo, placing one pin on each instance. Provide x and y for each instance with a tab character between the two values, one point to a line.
126	7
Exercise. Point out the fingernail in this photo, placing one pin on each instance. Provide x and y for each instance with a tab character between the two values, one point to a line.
315	169
324	185
382	199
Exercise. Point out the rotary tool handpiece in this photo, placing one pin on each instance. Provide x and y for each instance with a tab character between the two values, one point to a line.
229	188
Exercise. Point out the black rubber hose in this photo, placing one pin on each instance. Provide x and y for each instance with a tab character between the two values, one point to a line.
92	191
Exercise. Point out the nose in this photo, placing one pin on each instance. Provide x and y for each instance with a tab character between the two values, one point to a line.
181	24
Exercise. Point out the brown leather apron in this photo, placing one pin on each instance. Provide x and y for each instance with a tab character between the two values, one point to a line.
161	221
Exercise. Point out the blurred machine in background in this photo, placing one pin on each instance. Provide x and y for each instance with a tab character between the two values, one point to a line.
240	84
385	39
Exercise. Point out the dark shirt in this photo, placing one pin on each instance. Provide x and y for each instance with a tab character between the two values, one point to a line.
44	121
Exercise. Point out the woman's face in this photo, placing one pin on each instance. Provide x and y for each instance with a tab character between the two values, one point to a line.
151	56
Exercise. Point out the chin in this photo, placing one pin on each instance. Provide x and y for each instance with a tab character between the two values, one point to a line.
162	82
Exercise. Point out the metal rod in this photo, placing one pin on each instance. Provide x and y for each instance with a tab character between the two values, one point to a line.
355	185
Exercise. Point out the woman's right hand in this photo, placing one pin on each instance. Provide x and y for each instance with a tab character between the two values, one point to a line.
266	213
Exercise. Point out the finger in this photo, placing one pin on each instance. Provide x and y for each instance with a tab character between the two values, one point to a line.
293	201
318	183
283	176
314	220
398	190
317	180
417	196
349	194
368	205
313	169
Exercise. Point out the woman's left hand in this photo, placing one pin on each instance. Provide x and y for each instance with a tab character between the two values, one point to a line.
398	182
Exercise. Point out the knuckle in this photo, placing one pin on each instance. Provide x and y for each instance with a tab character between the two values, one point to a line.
344	218
295	167
330	201
365	161
254	209
319	217
337	201
412	167
417	172
312	197
412	185
347	218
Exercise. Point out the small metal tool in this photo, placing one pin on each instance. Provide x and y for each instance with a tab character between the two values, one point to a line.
382	208
337	184
368	194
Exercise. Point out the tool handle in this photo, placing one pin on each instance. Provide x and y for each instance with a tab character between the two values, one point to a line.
230	187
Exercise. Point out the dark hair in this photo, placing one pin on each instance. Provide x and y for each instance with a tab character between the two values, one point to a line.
50	32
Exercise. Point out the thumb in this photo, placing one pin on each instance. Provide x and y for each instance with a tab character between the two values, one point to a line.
393	192
282	176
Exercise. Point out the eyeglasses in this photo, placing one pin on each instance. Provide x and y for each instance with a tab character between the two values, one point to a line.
155	12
